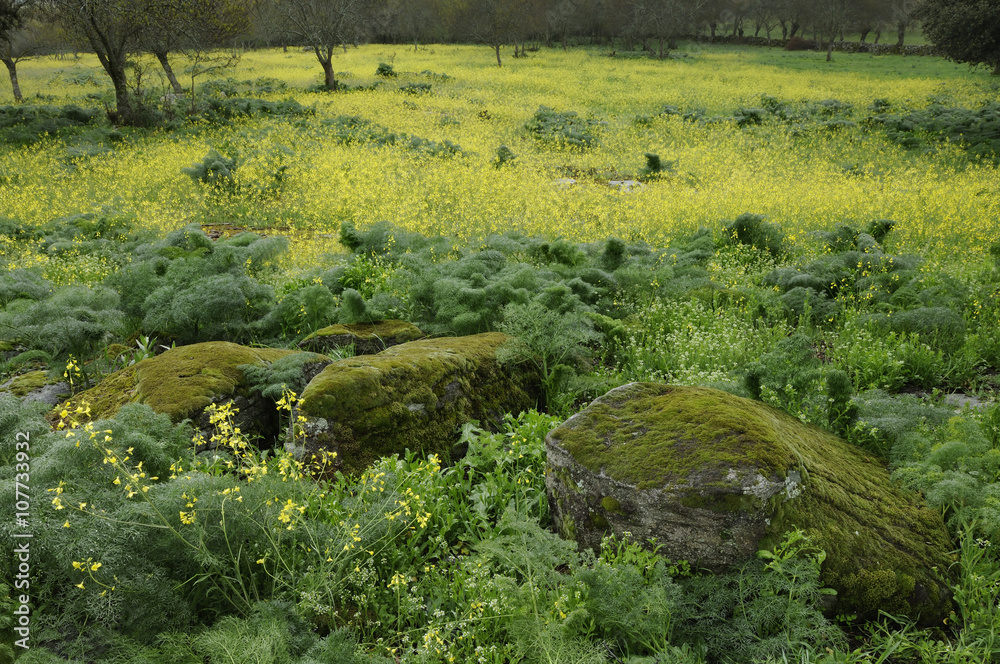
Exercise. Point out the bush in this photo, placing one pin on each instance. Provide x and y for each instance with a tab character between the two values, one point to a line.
214	170
562	129
415	88
189	288
504	156
800	44
351	129
752	230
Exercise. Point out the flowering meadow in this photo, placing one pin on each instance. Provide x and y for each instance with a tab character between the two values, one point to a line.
820	236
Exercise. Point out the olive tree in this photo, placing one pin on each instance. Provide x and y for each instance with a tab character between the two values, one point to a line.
326	25
16	39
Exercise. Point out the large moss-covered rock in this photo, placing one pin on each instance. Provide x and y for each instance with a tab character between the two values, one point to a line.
412	396
184	381
367	338
715	478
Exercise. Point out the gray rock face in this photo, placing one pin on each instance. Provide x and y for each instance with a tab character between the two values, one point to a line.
50	394
715	478
411	396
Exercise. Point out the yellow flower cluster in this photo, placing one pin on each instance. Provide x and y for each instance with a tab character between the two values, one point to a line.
807	181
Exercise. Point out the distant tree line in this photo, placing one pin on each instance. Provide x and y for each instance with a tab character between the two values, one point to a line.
212	32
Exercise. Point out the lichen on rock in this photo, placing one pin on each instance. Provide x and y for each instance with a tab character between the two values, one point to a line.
411	396
715	478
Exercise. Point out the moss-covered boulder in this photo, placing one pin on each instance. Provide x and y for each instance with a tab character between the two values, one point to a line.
715	478
36	386
367	338
412	396
184	381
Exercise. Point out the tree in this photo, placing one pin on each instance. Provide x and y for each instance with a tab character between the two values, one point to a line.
16	39
666	20
326	25
499	22
114	31
411	20
196	27
964	30
902	16
762	14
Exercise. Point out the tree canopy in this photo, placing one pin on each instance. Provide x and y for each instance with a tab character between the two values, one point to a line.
964	30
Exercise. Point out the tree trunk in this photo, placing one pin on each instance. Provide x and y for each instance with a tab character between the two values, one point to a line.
878	35
329	76
123	99
996	70
12	69
711	27
900	34
864	34
784	31
169	71
829	50
496	47
661	48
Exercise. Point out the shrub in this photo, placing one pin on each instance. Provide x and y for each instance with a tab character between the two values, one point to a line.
415	88
553	341
351	129
656	167
224	110
214	170
189	288
74	320
745	117
385	70
752	230
504	156
977	130
800	44
562	129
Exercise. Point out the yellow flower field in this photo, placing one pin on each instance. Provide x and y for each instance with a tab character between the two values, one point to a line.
810	181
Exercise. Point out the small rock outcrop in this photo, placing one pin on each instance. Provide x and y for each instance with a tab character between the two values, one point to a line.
411	396
715	478
367	338
36	386
184	381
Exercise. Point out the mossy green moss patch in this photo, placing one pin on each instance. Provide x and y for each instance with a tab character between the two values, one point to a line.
414	396
715	477
658	434
180	383
24	384
367	338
